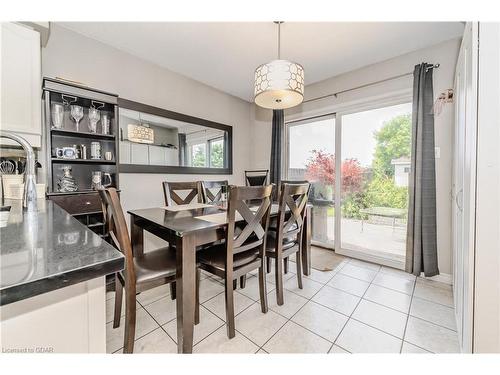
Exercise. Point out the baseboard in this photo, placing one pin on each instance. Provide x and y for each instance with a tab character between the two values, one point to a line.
445	278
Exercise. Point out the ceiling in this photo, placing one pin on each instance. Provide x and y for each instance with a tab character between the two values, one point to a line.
225	55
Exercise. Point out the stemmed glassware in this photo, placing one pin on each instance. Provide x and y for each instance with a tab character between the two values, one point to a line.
77	114
94	117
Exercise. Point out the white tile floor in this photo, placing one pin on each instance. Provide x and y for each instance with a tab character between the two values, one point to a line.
358	308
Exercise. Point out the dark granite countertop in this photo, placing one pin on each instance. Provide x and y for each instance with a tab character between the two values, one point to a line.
47	250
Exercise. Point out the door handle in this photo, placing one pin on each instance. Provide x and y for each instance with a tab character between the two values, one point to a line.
459	204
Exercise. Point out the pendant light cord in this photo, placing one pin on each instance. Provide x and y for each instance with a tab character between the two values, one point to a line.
279	40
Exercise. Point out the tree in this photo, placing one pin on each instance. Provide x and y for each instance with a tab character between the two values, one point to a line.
216	155
320	168
393	141
199	158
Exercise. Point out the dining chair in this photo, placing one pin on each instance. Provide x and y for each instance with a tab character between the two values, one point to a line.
213	190
243	250
142	272
191	189
273	221
286	240
257	177
171	191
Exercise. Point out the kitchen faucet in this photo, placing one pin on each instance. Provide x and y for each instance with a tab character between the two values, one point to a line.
29	196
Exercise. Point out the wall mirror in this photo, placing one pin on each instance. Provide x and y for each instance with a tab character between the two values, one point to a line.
155	140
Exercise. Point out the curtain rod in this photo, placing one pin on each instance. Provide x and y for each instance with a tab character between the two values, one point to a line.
433	66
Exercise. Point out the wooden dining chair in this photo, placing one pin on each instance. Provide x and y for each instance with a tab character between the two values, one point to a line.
273	222
142	272
287	238
257	177
191	189
213	190
171	190
244	248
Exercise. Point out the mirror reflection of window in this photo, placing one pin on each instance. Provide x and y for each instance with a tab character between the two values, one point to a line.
217	152
176	143
198	155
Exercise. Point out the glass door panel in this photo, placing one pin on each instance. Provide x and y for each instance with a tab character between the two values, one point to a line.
375	166
311	156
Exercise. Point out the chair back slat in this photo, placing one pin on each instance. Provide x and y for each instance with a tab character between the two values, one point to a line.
213	190
256	177
106	213
171	191
118	230
293	197
252	232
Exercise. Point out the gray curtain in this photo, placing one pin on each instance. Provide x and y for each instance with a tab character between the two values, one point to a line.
182	150
276	146
421	243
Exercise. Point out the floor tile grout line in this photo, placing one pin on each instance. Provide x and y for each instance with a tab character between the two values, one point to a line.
427	350
437	303
290	318
223	321
310	299
161	326
408	316
340	348
350	316
225	324
434	324
363	297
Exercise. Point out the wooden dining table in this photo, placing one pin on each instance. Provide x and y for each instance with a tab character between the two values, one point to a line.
186	228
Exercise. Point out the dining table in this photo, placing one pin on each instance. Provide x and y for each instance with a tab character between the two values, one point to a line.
189	227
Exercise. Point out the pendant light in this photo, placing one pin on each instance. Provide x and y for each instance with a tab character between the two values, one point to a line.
279	84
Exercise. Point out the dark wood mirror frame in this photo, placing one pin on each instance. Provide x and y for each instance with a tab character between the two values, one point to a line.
140	168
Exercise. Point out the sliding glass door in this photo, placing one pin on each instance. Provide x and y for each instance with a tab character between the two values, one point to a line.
361	211
311	156
375	147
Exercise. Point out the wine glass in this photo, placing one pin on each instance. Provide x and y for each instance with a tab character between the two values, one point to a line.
77	114
94	117
57	114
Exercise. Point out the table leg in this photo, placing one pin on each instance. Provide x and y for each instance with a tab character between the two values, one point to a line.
186	292
306	243
136	237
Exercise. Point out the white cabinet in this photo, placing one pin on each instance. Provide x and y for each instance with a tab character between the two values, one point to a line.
172	155
139	153
66	320
20	82
157	155
125	152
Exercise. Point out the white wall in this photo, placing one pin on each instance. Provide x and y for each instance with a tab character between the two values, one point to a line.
445	54
73	56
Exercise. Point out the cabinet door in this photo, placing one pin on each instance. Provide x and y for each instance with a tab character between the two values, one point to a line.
124	152
463	209
157	155
172	156
21	82
139	154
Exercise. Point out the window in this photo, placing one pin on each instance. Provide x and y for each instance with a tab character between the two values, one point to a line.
216	147
199	155
311	156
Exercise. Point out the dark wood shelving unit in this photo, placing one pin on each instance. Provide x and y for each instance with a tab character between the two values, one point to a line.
80	134
84	204
83	161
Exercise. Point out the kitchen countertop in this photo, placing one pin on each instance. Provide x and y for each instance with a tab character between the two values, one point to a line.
47	250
